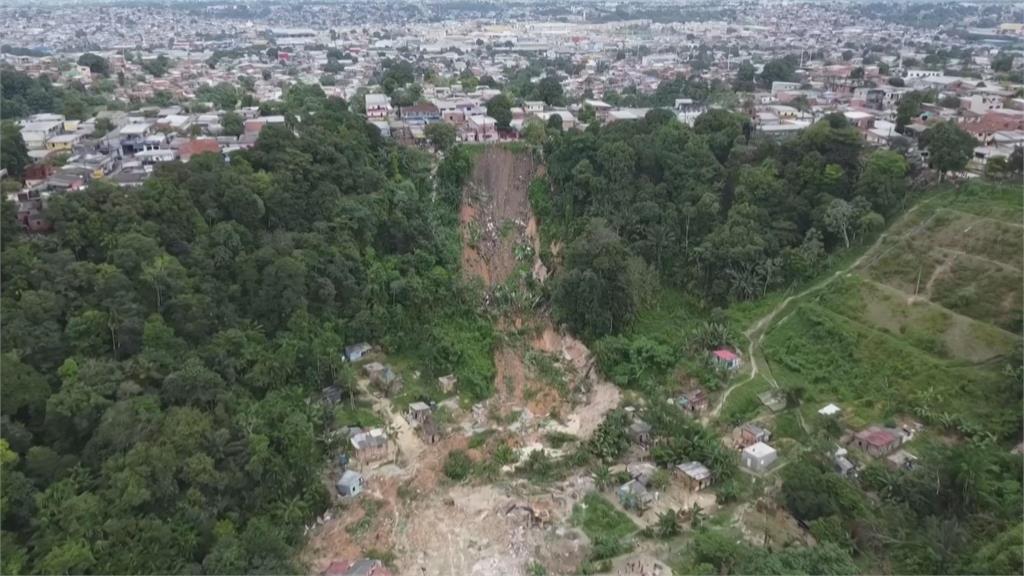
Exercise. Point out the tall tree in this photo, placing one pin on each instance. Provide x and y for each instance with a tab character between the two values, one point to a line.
500	108
949	147
13	153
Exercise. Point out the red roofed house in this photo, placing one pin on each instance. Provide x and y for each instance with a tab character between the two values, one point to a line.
199	146
878	441
727	358
985	125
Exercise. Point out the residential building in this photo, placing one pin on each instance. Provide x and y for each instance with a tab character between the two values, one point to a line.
758	457
350	484
877	441
378	106
694	475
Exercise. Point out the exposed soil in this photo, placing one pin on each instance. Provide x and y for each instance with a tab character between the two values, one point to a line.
485	530
496	215
435	527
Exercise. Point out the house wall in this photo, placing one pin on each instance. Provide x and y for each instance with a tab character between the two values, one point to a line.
758	464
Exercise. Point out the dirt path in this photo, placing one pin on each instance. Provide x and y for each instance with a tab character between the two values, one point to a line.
996	263
755	334
939	270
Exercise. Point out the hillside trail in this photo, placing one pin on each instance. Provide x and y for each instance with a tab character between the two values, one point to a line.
755	333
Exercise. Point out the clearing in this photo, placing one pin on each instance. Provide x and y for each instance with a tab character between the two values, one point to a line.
546	386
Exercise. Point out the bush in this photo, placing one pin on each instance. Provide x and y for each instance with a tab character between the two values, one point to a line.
504	454
458	466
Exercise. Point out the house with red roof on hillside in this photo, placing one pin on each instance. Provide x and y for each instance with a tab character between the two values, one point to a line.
877	441
727	358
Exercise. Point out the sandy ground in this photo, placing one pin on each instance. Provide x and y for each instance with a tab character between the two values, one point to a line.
475	533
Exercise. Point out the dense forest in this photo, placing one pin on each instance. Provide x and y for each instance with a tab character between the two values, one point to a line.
707	209
162	346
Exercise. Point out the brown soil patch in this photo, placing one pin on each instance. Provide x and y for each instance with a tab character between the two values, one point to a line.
518	387
496	215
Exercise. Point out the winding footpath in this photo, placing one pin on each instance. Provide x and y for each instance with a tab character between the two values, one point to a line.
755	334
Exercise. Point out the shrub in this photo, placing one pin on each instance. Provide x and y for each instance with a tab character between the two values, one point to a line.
458	466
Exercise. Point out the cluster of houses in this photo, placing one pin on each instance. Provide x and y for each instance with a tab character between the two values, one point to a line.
875	442
69	155
467	113
369	445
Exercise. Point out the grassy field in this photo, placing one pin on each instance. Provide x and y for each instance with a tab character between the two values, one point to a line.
926	325
876	376
600	520
743	404
962	251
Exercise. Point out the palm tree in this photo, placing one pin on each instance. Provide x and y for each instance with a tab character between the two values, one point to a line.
696	516
668	524
602	477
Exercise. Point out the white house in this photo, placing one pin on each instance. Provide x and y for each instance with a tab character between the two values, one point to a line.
351	483
758	457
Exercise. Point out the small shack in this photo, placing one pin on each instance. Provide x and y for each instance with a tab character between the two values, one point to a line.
370	445
758	457
693	401
429	431
384	378
417	413
350	484
877	441
363	567
641	471
634	495
695	476
775	400
751	433
829	410
726	358
640	433
901	460
372	369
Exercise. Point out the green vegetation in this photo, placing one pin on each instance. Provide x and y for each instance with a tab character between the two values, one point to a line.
360	415
705	208
937	519
24	95
165	350
822	357
743	403
608	528
13	154
458	466
598	518
722	552
950	148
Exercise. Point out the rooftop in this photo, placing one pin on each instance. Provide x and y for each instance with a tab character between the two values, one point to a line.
694	470
759	450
